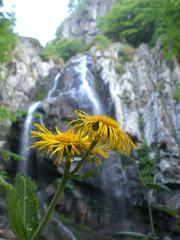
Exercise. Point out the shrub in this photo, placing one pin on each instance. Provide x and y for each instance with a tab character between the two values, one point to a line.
177	94
102	41
137	21
7	37
119	68
63	48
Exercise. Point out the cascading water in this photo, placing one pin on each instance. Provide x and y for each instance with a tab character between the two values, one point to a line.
53	89
86	89
24	151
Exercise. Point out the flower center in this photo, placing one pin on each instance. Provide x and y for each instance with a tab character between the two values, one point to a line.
68	138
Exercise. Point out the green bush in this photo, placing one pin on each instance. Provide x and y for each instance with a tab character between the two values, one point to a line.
119	68
177	95
137	21
7	37
63	48
102	41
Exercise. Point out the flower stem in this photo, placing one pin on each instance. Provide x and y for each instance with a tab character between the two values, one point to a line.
88	152
53	202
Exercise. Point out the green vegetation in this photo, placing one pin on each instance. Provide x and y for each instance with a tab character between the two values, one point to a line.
8	114
62	48
119	68
7	37
137	21
24	217
177	94
74	5
101	41
125	55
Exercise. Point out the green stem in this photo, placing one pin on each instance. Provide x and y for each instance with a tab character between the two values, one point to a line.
88	152
53	202
150	215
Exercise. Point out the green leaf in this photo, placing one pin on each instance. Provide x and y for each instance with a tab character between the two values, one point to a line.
133	235
177	228
171	211
158	187
4	183
24	217
15	214
86	174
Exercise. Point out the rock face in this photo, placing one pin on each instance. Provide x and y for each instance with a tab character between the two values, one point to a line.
141	98
135	86
82	23
24	75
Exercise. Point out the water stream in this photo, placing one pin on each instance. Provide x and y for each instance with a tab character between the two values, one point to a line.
86	94
25	137
86	88
25	150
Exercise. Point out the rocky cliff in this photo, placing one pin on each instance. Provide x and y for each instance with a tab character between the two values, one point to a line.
82	23
135	86
24	75
139	91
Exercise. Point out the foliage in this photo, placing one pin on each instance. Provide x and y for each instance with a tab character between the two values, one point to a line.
22	205
146	165
8	115
137	21
147	172
63	48
126	53
74	5
7	37
119	68
6	155
177	95
133	235
101	41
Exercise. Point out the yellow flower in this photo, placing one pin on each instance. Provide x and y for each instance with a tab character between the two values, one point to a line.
104	128
63	144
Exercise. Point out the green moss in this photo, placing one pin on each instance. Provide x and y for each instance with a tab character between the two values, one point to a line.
126	54
61	49
177	94
40	94
119	68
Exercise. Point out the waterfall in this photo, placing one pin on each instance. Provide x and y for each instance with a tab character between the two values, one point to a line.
24	151
25	141
53	89
86	89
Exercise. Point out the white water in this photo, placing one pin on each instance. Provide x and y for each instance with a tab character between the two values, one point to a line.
53	89
86	83
24	151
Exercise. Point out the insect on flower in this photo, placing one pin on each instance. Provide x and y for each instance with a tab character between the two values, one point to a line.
105	129
64	144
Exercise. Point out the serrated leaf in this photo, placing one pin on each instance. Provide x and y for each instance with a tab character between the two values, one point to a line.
158	187
4	183
171	211
133	235
24	217
14	214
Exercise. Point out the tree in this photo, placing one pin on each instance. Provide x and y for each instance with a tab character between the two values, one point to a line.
7	37
137	21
